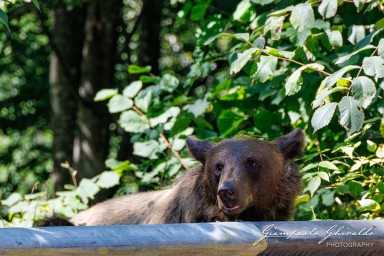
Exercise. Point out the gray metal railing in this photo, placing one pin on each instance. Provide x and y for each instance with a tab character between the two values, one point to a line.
220	238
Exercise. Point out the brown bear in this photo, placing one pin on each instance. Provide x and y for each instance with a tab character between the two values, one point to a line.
239	179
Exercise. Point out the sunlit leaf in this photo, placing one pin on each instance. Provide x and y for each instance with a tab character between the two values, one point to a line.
132	89
274	24
131	121
328	165
105	94
119	103
357	33
359	4
108	179
368	205
374	66
380	48
241	60
241	8
328	8
294	81
335	38
323	115
302	17
265	68
148	149
332	79
348	56
351	115
363	90
313	185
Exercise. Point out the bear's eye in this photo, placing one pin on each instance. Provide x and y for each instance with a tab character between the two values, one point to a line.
219	167
252	163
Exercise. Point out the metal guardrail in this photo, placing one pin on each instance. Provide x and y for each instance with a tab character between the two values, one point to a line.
220	238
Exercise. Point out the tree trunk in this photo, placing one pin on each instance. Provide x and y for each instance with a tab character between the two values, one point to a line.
67	43
149	49
91	145
149	23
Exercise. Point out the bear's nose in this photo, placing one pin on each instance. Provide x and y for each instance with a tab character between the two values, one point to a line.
227	191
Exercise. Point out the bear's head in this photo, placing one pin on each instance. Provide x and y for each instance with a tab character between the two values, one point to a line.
246	173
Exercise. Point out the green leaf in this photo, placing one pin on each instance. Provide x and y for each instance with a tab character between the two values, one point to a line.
132	89
371	146
119	103
351	115
241	60
37	5
87	189
143	99
380	151
368	39
238	36
328	197
262	2
328	165
302	199
357	33
148	149
241	8
116	165
198	107
380	23
323	176
172	112
302	17
228	121
294	81
131	121
199	10
355	187
348	56
275	25
108	179
359	4
12	199
335	38
368	205
4	19
313	185
105	94
133	69
332	79
374	66
380	48
323	115
363	90
169	83
265	68
328	8
324	94
279	53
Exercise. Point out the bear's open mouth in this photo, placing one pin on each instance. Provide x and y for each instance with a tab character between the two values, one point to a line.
231	207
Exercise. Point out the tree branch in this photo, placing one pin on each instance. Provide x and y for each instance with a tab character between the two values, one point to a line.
162	135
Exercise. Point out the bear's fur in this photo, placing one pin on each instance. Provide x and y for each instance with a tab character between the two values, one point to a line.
238	179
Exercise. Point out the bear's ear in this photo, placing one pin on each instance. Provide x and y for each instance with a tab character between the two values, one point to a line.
292	144
198	148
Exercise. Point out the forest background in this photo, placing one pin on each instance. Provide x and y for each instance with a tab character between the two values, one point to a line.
97	97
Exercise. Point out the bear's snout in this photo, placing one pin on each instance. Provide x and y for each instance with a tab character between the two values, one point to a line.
227	191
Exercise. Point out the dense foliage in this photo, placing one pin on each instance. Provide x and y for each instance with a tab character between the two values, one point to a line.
261	68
